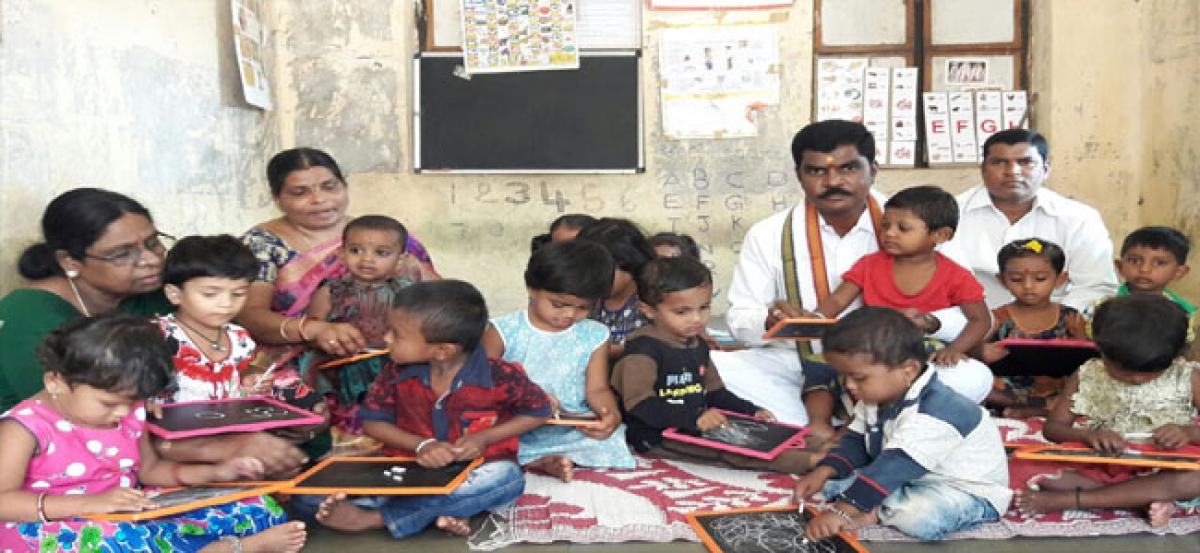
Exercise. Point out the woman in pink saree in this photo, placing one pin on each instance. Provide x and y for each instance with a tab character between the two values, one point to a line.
297	252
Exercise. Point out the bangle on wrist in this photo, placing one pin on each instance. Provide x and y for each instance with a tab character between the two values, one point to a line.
422	445
300	328
283	329
41	508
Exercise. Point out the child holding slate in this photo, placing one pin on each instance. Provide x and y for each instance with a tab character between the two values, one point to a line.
80	446
908	275
1031	270
207	278
566	354
1139	385
372	249
665	378
442	400
917	455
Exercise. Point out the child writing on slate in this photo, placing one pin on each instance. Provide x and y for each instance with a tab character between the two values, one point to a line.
667	380
372	249
80	446
566	354
1138	388
917	455
442	400
908	275
207	278
1031	269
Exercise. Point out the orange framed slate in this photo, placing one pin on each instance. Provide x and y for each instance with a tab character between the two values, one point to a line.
566	418
1131	457
799	329
182	500
366	476
777	528
353	358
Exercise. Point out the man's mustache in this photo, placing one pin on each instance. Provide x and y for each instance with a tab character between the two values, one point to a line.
834	192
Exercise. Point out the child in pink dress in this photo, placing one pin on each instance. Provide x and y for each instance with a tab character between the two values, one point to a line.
80	446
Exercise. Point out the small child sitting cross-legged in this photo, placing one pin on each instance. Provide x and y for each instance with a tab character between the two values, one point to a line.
442	400
667	380
1139	385
917	455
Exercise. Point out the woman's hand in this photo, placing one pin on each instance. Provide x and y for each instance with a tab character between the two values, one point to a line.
340	339
607	423
237	469
279	457
118	500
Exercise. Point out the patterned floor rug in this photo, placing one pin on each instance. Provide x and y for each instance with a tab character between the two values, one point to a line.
649	503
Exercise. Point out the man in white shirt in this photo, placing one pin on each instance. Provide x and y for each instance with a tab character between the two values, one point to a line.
1012	204
835	163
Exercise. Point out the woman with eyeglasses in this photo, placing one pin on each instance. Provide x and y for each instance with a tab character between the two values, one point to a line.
102	253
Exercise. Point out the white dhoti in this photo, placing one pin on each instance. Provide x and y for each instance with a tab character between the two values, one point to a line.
771	378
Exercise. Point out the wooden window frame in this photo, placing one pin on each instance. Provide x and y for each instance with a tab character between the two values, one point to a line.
919	51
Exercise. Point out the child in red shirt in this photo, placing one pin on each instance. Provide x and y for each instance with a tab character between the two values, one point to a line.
909	276
442	400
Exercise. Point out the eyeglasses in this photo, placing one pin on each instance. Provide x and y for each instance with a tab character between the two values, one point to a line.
157	244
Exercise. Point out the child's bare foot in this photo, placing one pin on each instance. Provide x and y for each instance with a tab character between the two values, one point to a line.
288	537
1159	513
555	465
1068	480
339	514
1030	502
454	525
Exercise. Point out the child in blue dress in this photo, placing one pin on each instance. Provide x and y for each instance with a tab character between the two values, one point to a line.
565	353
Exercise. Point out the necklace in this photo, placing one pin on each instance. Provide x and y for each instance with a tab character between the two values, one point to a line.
82	306
215	344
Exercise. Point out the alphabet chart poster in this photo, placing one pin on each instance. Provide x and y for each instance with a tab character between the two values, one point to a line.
503	37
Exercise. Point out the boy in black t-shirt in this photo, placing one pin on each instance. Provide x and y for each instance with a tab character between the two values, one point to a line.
665	378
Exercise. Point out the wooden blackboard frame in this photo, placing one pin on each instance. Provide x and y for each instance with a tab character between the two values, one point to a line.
425	148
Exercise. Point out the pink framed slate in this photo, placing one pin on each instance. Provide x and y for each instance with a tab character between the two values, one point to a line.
221	416
747	436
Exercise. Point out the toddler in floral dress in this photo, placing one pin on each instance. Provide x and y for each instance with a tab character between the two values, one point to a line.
79	447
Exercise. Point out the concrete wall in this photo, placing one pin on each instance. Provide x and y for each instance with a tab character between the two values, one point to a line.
133	95
1112	80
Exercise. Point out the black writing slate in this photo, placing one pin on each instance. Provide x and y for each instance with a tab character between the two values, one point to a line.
370	474
767	531
250	412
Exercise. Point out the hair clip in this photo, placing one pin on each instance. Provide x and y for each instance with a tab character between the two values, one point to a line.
1033	245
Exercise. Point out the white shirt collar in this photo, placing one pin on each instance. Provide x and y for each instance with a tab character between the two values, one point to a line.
1045	200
